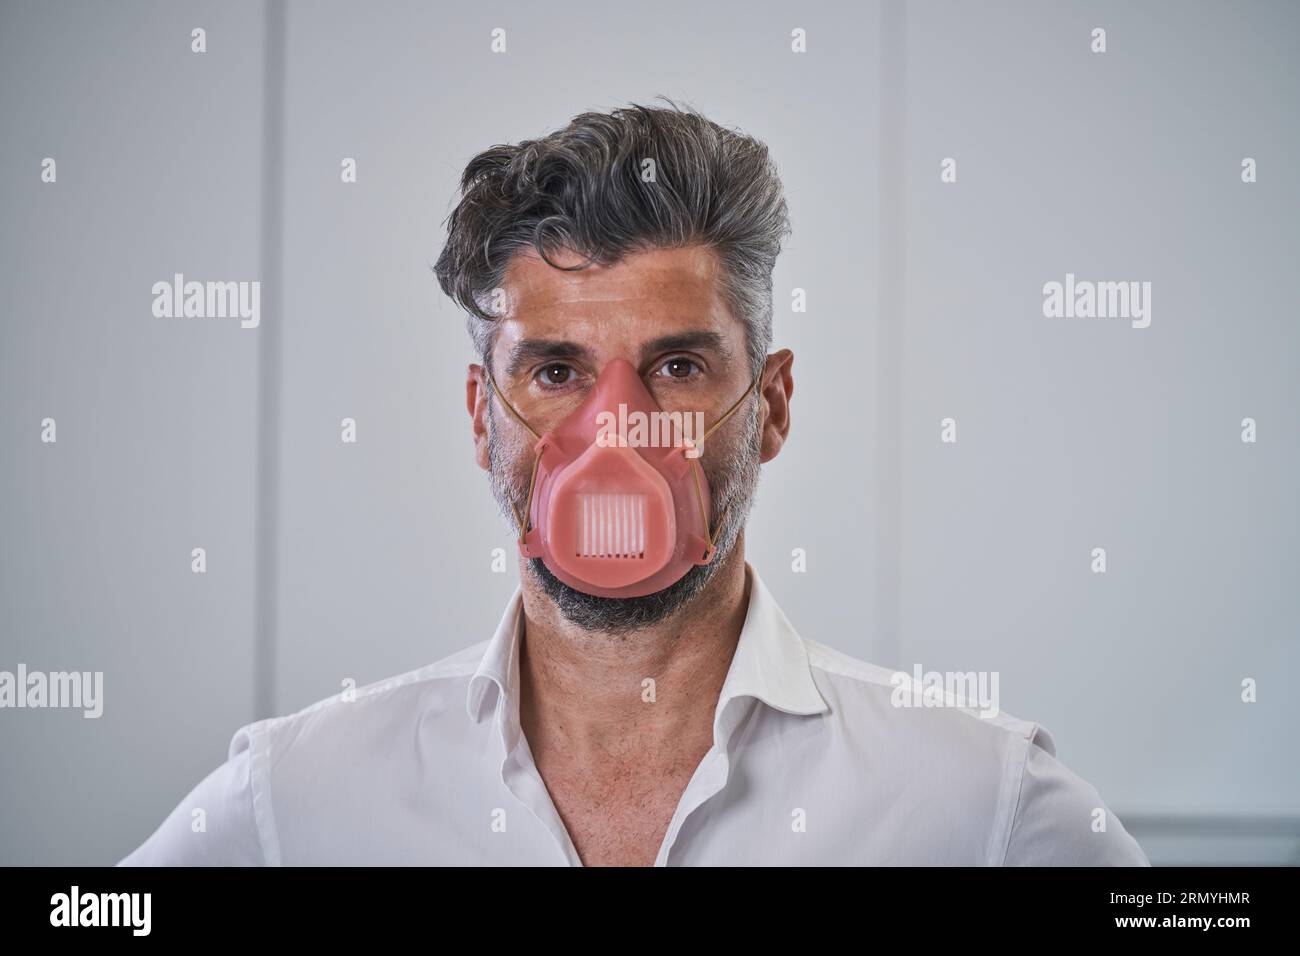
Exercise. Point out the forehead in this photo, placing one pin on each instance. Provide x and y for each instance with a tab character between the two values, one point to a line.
644	295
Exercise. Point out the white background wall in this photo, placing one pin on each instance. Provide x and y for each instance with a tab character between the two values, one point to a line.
328	561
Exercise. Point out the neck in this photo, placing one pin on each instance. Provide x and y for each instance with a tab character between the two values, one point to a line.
583	693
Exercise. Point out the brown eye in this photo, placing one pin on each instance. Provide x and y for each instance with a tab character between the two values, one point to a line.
678	368
556	374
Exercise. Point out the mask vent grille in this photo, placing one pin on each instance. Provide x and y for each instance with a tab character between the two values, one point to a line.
611	526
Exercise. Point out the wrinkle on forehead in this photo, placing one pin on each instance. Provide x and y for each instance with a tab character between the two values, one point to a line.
679	277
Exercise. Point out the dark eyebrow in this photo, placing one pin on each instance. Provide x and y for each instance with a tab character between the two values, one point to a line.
686	342
527	351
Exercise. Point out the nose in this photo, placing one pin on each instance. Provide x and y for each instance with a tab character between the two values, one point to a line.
619	376
619	384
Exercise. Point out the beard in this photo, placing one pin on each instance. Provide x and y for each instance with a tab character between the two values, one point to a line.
732	471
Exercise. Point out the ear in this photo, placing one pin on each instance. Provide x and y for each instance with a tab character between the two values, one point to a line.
775	388
476	394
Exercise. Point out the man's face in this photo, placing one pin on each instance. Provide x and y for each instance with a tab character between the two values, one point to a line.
662	311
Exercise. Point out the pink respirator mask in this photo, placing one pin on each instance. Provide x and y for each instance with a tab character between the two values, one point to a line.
610	519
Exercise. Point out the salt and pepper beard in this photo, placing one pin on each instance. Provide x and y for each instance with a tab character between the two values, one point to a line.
732	478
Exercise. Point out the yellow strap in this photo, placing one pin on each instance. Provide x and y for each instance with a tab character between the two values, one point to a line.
525	520
728	413
699	491
510	408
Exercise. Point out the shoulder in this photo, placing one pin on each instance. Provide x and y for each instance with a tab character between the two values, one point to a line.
229	818
960	754
1061	819
355	719
956	716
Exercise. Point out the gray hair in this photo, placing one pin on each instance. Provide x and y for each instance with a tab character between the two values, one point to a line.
581	188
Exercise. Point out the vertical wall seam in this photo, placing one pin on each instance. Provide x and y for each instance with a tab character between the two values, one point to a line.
890	340
266	532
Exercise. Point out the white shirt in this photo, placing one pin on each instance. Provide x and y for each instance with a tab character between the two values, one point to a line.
811	765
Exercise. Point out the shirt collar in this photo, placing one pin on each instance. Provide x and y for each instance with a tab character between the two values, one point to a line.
770	663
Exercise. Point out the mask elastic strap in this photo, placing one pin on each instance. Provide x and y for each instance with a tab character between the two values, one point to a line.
510	408
523	520
699	489
732	410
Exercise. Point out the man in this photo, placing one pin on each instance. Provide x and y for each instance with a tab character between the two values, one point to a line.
644	701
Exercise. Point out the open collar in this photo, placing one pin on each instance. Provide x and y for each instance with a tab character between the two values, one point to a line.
770	663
